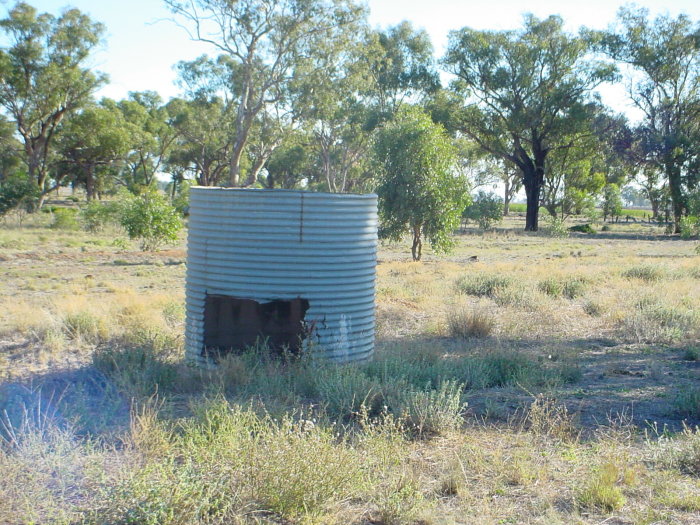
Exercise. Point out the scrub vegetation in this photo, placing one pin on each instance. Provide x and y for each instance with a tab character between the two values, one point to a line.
552	380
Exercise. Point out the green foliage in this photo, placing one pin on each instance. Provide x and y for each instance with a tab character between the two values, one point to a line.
494	69
664	82
486	209
582	228
90	142
17	191
556	227
418	191
612	201
96	215
570	288
44	78
181	201
430	410
690	227
150	218
483	285
269	49
602	491
687	402
65	219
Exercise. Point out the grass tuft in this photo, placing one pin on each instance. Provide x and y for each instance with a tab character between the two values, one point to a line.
477	322
602	491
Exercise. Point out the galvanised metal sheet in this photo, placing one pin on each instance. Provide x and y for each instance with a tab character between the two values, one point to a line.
270	245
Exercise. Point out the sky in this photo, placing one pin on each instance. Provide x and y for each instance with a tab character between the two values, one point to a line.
142	42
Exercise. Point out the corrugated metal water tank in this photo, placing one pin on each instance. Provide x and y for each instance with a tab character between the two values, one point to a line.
281	265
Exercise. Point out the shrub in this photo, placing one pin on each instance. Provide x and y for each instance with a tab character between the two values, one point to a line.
299	468
137	371
690	227
96	215
345	390
430	410
17	192
485	210
582	228
546	417
65	219
85	326
692	353
687	454
151	219
556	227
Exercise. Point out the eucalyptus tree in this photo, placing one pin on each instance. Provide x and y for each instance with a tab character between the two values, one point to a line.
664	84
10	149
576	175
153	139
203	141
419	191
400	64
44	78
330	99
265	42
292	164
527	93
91	143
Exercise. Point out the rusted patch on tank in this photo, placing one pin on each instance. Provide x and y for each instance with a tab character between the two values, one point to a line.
232	324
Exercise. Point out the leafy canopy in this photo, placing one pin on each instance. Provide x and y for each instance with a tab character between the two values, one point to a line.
418	190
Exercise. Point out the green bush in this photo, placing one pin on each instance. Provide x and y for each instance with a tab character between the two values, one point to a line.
150	218
690	227
17	192
181	201
582	228
429	410
96	215
65	219
556	227
485	210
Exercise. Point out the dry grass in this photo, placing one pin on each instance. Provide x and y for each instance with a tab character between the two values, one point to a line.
542	338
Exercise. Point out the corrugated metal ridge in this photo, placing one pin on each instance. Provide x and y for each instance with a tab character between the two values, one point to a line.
282	244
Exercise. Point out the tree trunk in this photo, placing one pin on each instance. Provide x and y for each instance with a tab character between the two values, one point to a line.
506	199
235	164
677	202
532	169
90	183
532	180
417	247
